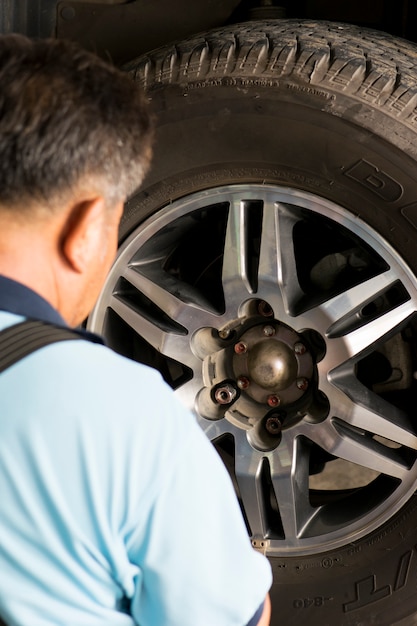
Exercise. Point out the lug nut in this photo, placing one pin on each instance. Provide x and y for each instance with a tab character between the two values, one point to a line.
241	347
299	348
268	331
302	384
224	333
243	382
273	425
273	400
225	394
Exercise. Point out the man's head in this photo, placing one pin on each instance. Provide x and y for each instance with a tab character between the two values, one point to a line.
75	141
66	118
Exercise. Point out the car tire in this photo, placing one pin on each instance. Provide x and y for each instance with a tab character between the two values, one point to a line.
323	115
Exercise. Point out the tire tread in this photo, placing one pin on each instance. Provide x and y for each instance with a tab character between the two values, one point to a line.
373	67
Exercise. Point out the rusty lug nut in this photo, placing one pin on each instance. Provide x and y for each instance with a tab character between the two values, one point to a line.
241	348
299	348
273	400
243	382
273	425
268	331
224	333
225	394
302	384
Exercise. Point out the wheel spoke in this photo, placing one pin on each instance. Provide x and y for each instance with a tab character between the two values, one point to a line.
346	306
187	391
365	429
368	411
165	339
378	330
270	248
235	275
290	479
175	298
215	428
353	444
248	463
277	264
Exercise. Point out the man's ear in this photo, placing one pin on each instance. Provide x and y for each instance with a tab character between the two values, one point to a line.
82	233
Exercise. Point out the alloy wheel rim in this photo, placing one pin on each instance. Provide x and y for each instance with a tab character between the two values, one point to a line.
265	295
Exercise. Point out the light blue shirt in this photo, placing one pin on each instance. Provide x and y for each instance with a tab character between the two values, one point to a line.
114	507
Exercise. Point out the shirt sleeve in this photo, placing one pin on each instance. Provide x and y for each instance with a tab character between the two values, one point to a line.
255	619
197	565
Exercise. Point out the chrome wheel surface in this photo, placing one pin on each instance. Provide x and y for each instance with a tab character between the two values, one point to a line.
288	326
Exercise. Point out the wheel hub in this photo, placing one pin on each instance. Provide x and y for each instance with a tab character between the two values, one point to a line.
255	367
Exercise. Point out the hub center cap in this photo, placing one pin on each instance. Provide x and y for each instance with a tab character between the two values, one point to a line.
276	363
272	365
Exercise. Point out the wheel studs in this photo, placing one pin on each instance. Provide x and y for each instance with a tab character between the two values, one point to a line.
299	348
273	400
268	331
243	382
302	384
241	347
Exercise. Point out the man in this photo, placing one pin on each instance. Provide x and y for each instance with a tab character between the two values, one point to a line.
111	512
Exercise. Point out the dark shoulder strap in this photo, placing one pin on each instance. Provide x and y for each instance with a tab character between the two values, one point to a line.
24	338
